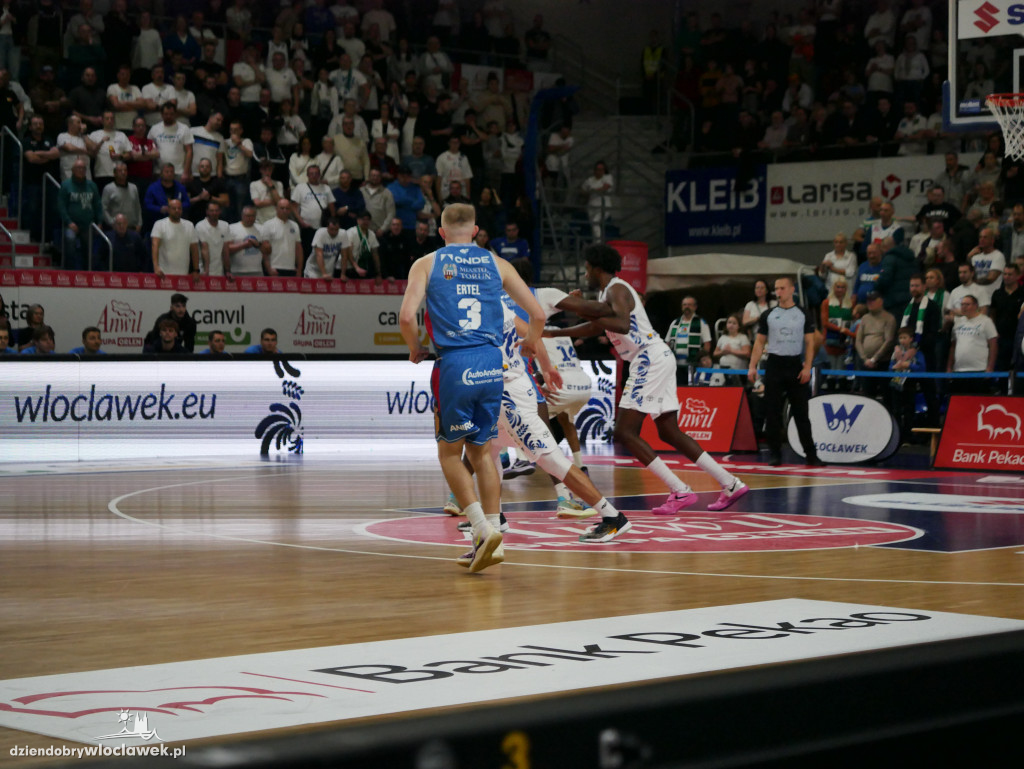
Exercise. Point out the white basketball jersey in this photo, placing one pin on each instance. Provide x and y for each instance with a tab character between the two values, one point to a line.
641	334
513	364
563	356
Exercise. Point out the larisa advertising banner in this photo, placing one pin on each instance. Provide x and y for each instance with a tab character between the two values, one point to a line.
354	317
95	409
814	201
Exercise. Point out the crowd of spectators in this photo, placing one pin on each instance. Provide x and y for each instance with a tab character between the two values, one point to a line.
156	125
937	291
836	80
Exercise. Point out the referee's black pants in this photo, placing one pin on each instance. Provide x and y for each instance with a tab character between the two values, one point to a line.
781	381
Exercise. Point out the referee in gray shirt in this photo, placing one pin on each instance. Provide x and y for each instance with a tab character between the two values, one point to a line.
786	333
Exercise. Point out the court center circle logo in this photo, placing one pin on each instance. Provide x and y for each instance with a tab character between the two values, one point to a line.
539	530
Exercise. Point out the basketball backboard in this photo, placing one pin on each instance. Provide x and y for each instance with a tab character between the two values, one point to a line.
989	33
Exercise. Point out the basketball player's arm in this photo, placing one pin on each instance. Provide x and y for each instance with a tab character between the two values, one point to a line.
590	328
552	377
585	308
414	293
521	295
621	303
755	356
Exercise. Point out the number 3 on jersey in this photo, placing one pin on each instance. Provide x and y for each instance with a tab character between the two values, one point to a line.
473	314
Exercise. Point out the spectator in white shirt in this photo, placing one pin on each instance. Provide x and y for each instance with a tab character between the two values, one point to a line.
125	99
156	94
452	165
775	134
910	70
265	193
208	143
175	246
174	141
243	255
149	47
881	25
283	84
311	203
285	258
238	152
350	82
434	66
74	144
377	14
213	235
249	75
911	130
331	252
184	100
112	146
838	263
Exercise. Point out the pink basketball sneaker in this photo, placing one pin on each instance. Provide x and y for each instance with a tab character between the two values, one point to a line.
728	496
676	501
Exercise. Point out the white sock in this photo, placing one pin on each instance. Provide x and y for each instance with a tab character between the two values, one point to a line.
577	458
475	514
494	521
660	469
706	463
606	509
562	490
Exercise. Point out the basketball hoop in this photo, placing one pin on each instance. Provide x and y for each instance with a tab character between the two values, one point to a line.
1008	109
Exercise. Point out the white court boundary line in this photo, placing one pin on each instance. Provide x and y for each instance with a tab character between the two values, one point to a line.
112	506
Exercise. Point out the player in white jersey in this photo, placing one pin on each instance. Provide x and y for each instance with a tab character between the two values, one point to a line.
519	425
575	393
651	387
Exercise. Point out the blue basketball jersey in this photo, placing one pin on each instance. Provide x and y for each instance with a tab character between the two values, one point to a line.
464	298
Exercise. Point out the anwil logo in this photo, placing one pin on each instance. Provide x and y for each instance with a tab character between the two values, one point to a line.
315	321
119	318
697	415
840	419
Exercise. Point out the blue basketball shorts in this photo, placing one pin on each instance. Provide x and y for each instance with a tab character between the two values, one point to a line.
467	386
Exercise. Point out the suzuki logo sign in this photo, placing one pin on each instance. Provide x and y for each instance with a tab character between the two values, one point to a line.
987	18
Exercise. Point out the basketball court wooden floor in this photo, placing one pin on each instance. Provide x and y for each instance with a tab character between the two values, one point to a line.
112	564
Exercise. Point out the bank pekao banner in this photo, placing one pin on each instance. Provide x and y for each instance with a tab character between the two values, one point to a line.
848	429
353	317
982	433
108	409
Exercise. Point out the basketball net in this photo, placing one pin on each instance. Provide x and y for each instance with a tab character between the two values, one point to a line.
1009	111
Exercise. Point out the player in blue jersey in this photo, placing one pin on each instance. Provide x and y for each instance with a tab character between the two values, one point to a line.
651	387
462	284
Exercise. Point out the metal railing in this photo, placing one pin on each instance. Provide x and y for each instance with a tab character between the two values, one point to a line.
21	164
48	179
10	237
110	246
